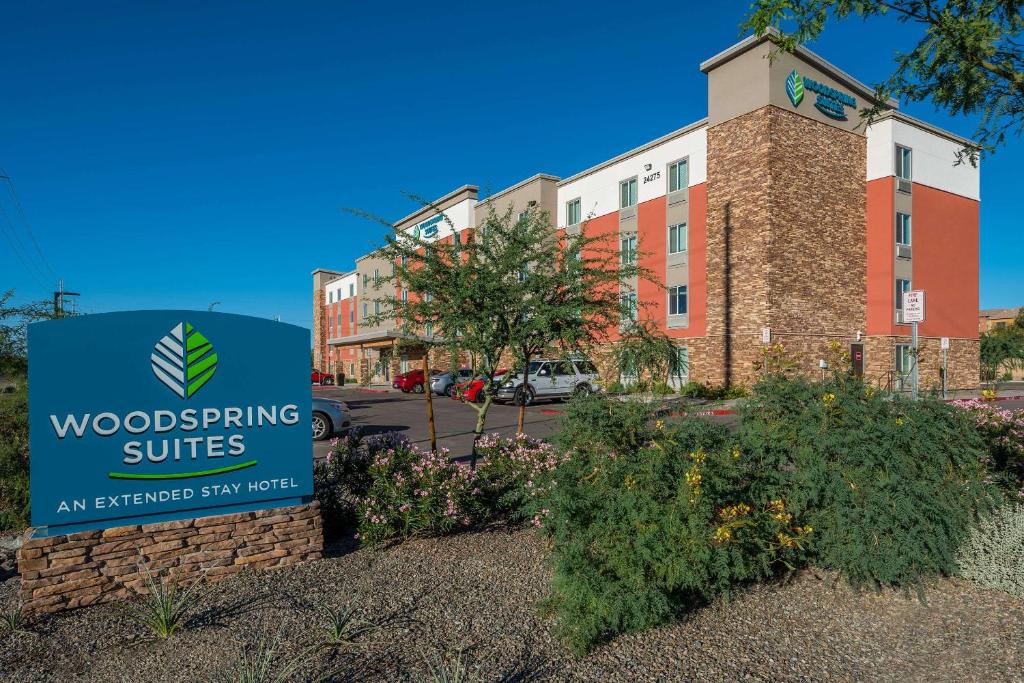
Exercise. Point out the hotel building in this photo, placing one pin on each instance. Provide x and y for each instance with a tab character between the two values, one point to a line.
779	217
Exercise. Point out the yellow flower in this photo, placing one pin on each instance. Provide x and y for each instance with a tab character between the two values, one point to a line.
785	540
899	421
988	395
829	399
736	453
699	456
660	424
630	482
722	534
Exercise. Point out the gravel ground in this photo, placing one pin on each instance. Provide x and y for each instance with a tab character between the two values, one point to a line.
479	592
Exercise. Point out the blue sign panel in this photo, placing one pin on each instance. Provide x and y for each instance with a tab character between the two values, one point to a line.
150	416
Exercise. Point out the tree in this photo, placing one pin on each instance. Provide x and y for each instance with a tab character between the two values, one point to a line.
14	320
1002	349
969	60
512	286
568	291
646	350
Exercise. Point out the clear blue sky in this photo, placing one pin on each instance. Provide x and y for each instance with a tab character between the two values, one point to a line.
172	154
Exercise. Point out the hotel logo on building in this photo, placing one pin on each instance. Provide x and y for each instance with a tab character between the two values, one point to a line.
830	102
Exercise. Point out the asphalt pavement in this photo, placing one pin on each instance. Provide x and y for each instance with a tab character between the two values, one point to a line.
377	411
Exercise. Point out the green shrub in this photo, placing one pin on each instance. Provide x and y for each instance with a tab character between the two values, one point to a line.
890	486
662	389
993	555
735	391
646	519
694	390
616	388
14	488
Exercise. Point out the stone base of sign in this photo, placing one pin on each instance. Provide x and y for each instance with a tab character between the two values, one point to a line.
74	570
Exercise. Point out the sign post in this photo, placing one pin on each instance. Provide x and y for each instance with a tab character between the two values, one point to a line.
945	363
913	313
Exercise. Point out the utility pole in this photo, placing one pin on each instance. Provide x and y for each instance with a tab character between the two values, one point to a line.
58	299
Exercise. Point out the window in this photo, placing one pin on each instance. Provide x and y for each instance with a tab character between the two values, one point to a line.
523	215
572	212
428	329
524	272
405	296
902	287
677	238
904	164
585	367
351	290
627	193
678	175
405	262
366	280
627	250
352	316
376	307
365	313
564	369
677	300
628	307
457	238
904	170
376	277
330	297
903	229
903	359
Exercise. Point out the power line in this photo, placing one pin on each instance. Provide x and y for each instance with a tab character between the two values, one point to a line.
24	218
7	228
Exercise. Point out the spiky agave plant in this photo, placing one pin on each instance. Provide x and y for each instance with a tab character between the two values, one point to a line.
165	607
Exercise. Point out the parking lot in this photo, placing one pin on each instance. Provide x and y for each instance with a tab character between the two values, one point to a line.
377	411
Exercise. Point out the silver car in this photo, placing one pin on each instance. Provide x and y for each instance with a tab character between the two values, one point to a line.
555	378
444	383
329	417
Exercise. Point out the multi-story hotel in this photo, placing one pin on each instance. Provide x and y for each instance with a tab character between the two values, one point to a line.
778	217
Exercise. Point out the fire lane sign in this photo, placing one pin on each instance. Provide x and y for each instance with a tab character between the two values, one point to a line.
913	306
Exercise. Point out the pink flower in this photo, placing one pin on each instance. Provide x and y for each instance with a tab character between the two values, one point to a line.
404	507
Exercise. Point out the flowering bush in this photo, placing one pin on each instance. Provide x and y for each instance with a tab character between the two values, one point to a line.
1003	432
647	518
514	473
890	486
415	492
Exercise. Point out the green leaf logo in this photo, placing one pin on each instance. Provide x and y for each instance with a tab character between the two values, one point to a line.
795	88
184	360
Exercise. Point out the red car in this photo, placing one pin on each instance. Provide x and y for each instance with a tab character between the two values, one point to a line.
409	381
321	378
473	390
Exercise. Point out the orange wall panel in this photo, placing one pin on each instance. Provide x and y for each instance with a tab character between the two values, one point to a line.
881	245
946	254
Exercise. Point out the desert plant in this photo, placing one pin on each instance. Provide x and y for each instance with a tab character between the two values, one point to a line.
993	555
342	478
890	486
343	625
12	620
511	476
262	663
451	667
616	388
165	606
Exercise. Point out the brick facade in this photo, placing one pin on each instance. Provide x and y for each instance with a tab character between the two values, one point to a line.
786	237
75	570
